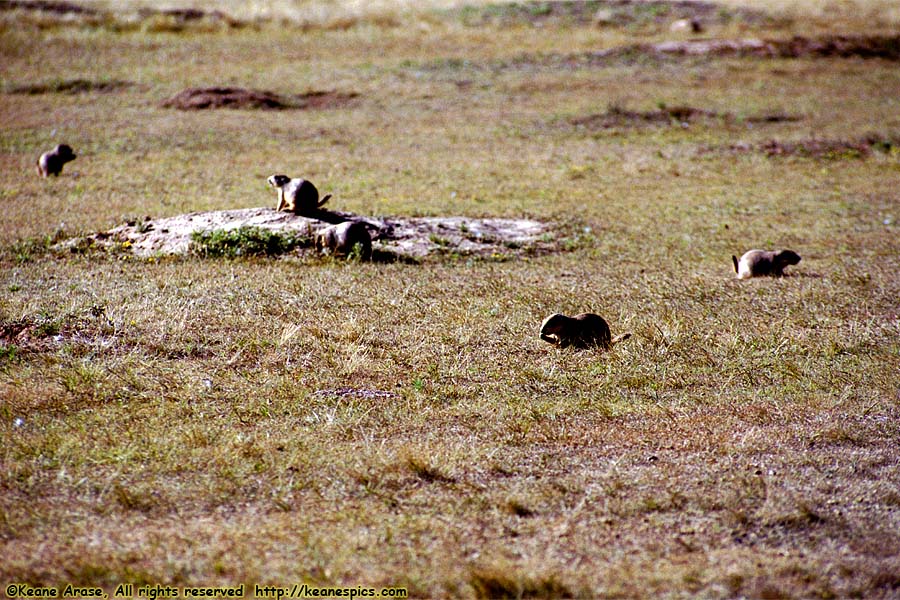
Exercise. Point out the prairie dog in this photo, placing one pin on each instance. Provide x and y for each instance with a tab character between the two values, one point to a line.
582	331
340	239
51	162
756	263
296	195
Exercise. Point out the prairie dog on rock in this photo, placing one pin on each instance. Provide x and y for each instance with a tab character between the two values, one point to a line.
296	195
757	263
582	331
340	239
51	163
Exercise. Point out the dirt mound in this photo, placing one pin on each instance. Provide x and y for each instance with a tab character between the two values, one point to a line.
842	46
232	97
680	116
123	18
224	97
59	8
71	86
618	13
621	117
817	148
824	148
324	100
186	15
393	238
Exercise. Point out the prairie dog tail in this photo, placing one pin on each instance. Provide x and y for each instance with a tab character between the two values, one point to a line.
620	338
735	261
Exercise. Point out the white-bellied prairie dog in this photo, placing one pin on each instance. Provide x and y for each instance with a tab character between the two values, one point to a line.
758	263
586	330
693	25
51	162
298	196
341	239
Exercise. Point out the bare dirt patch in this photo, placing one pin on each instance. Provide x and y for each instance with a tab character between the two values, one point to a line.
361	393
394	238
43	332
10	331
71	86
242	98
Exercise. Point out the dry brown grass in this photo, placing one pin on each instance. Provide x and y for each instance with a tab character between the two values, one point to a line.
212	422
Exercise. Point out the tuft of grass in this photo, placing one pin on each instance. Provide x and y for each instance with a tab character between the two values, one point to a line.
245	242
8	353
31	248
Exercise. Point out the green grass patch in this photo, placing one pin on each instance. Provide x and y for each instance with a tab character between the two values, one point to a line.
245	242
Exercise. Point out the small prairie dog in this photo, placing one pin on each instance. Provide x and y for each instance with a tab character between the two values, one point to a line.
340	239
757	263
51	163
298	196
582	331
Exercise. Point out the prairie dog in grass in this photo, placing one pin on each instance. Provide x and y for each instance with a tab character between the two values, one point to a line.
582	331
340	239
298	196
757	263
51	162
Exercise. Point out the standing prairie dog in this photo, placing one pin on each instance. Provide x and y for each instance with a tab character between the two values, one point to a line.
296	195
341	239
582	331
757	263
51	162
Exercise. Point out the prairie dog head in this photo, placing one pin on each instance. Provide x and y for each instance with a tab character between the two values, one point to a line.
554	325
278	181
64	151
786	257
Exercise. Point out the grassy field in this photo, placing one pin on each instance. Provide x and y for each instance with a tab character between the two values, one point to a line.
186	421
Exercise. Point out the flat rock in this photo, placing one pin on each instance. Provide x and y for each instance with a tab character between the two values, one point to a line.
403	237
